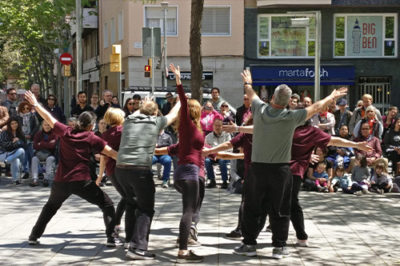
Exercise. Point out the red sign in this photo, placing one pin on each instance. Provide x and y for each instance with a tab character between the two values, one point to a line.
66	59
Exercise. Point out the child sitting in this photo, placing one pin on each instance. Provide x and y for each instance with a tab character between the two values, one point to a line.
341	180
321	177
381	181
360	176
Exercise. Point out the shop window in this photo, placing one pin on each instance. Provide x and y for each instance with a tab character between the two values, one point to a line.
154	17
365	35
216	21
286	36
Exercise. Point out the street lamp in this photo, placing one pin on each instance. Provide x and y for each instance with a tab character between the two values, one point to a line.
164	6
296	22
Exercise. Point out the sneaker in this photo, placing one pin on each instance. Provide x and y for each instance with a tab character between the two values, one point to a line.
212	184
246	250
380	191
117	230
17	183
113	242
302	243
224	185
45	182
365	191
34	183
137	254
235	234
189	257
127	245
33	241
268	229
164	184
279	253
358	193
193	234
25	176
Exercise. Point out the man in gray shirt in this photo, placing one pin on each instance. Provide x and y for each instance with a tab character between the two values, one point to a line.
133	172
269	188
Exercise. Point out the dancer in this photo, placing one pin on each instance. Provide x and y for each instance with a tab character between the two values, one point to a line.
133	171
186	176
72	176
114	117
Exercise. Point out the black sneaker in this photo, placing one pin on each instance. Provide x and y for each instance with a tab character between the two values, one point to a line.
224	185
189	257
212	184
17	183
33	241
113	242
246	250
235	234
25	176
137	254
45	182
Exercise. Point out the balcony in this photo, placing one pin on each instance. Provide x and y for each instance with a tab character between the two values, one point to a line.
89	20
270	3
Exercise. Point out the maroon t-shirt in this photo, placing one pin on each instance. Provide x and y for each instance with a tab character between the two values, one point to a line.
75	150
245	141
113	138
305	139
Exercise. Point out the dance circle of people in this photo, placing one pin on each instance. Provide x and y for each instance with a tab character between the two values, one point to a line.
277	144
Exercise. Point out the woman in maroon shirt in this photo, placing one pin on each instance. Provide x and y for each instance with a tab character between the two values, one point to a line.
114	117
186	176
73	173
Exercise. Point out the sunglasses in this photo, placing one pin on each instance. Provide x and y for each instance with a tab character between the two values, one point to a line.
224	106
130	103
14	93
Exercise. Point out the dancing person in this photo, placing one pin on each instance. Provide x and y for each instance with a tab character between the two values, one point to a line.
133	172
186	176
114	117
72	175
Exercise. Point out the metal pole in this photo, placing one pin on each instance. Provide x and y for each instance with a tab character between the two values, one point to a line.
78	46
165	71
317	59
152	60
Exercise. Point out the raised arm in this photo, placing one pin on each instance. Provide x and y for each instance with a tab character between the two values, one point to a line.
248	87
40	109
320	105
340	142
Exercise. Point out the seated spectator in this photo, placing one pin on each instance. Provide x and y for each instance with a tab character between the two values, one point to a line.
389	119
321	177
227	114
341	180
326	122
340	156
309	182
45	143
208	114
164	140
361	112
373	142
54	109
29	125
12	143
214	139
392	146
381	181
342	115
376	127
360	176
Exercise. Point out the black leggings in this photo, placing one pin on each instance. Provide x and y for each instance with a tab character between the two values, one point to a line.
122	203
190	198
196	215
88	190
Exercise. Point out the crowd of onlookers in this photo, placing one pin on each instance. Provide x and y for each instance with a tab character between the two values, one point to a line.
28	148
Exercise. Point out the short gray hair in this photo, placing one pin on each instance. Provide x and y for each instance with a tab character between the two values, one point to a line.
107	91
282	95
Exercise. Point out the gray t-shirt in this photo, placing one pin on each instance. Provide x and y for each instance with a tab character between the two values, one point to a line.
273	132
139	139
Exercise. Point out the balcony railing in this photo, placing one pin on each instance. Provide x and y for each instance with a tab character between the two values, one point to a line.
266	3
89	20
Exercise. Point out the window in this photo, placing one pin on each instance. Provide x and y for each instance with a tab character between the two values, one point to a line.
286	36
365	35
120	26
112	31
105	35
154	17
216	21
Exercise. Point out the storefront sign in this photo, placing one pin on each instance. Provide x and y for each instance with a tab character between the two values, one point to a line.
302	75
188	76
364	35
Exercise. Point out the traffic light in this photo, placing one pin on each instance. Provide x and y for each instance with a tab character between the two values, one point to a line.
67	70
115	58
147	69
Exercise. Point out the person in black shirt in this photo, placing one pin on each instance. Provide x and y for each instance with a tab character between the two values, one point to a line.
82	105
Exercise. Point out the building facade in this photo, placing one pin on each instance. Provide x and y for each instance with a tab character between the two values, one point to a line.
121	22
359	47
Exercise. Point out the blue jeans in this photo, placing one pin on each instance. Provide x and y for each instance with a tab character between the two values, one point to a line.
16	159
222	167
164	160
28	156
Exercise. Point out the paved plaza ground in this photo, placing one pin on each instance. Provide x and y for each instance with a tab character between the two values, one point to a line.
343	229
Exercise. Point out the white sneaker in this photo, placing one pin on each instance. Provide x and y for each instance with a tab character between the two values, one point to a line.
302	243
164	185
279	253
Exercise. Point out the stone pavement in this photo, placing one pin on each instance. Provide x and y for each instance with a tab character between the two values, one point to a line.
343	229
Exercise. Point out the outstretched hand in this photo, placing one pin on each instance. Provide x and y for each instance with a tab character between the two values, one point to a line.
30	98
229	128
364	146
246	76
339	93
176	71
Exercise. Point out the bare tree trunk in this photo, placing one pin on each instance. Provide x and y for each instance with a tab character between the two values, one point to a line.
195	49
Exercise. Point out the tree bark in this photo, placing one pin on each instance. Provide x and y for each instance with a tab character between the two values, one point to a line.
195	49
